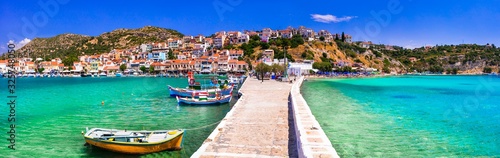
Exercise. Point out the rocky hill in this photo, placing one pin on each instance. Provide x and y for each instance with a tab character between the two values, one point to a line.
69	46
465	58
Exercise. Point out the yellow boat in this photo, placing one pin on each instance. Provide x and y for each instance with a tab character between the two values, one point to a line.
134	142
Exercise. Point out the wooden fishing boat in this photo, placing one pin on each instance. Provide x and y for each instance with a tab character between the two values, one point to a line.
185	92
204	100
134	142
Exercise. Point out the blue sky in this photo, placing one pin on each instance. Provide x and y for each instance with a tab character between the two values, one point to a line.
408	23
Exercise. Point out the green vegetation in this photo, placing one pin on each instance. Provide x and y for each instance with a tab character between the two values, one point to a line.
143	69
453	71
433	59
40	70
279	54
323	66
262	69
345	69
171	55
487	70
123	67
386	69
322	39
276	68
308	55
151	69
249	63
69	46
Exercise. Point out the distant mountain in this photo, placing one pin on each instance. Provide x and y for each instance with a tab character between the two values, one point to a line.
70	46
464	58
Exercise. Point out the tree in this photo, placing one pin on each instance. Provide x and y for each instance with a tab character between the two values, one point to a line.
276	68
171	55
264	45
386	69
322	38
151	69
487	70
249	63
262	69
255	38
40	70
323	66
123	67
304	55
296	41
143	69
343	37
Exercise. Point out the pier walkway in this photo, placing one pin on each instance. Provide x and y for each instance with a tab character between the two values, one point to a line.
261	124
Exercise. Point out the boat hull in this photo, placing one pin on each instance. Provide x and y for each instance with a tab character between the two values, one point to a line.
190	101
136	147
189	93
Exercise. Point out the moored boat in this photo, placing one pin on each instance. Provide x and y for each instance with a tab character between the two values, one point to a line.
86	75
204	100
103	74
134	142
185	92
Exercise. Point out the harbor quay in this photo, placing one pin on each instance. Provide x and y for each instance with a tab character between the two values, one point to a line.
263	124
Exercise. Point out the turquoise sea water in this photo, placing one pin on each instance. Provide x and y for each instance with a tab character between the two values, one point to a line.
409	116
52	112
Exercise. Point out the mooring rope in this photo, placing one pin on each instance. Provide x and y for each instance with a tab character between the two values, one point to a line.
202	127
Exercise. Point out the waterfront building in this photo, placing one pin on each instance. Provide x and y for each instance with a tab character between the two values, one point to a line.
157	56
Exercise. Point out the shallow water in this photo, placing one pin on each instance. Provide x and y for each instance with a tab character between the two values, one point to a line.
52	113
409	116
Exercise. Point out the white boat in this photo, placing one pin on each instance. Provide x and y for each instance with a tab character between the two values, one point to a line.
204	99
103	74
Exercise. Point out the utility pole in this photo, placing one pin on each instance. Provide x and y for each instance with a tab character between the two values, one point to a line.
286	64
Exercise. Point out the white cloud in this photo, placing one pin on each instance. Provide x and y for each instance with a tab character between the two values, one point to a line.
328	18
20	44
23	43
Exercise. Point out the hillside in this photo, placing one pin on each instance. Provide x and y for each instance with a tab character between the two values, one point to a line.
464	58
69	46
298	49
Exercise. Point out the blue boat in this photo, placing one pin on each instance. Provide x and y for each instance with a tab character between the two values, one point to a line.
204	100
184	92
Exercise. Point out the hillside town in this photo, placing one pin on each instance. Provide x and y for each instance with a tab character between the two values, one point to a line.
200	54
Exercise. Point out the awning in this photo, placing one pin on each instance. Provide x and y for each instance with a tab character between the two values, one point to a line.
315	70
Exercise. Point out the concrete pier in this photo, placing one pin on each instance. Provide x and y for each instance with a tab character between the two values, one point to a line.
262	124
311	139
